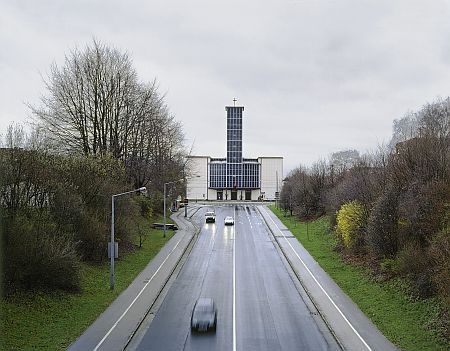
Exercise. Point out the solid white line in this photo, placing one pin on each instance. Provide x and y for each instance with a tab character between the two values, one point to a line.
320	286
234	282
132	303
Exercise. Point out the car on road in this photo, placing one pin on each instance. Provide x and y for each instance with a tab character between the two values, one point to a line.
204	315
210	217
229	220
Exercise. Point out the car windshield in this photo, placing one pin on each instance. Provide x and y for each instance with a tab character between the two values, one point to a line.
203	309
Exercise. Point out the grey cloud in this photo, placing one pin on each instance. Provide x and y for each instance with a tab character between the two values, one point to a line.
314	76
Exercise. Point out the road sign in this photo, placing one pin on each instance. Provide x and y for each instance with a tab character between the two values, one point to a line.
116	250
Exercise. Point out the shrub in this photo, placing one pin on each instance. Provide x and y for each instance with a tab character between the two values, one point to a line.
38	255
92	233
350	223
439	251
89	183
145	206
415	264
127	212
382	226
156	202
389	267
421	209
359	183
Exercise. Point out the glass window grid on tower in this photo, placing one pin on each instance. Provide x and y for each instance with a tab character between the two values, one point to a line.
250	174
234	136
217	173
244	176
234	147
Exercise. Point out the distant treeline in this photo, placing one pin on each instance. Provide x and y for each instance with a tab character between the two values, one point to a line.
390	209
97	132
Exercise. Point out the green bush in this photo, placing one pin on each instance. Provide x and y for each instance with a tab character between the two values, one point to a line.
93	231
389	267
421	210
382	227
145	206
415	264
350	221
38	255
439	251
83	206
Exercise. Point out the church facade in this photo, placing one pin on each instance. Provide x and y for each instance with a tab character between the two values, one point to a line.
234	177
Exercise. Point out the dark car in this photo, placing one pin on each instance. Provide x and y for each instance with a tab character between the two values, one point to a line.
204	315
210	217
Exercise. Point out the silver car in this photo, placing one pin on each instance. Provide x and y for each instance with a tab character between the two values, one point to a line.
229	220
204	315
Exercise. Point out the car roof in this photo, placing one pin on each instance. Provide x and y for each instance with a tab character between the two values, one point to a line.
205	302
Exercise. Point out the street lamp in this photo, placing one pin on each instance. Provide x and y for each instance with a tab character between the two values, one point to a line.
165	184
112	244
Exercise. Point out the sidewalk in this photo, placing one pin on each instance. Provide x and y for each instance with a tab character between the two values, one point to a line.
352	328
117	324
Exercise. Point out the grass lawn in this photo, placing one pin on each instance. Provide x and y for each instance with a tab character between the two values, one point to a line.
51	321
404	321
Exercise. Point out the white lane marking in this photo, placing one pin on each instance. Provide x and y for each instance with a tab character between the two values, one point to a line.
135	299
320	286
234	283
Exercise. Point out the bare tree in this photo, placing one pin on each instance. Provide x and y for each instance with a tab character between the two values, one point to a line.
343	160
95	105
404	128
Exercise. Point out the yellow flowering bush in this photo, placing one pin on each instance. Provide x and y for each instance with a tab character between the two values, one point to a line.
350	219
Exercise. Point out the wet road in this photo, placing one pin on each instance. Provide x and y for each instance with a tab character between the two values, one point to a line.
259	305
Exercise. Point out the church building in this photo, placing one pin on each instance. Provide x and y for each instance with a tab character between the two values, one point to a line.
234	177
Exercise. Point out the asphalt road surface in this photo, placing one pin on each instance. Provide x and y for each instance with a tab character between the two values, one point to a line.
260	306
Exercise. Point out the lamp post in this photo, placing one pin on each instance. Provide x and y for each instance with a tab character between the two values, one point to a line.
112	244
165	184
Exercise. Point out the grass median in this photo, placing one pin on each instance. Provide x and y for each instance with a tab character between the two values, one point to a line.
409	323
52	320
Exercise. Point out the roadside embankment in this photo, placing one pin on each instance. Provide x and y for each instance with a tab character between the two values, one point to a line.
407	322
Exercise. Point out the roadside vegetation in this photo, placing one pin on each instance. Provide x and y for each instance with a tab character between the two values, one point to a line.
97	131
51	320
409	322
389	212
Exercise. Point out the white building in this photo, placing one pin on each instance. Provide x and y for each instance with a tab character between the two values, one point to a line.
234	177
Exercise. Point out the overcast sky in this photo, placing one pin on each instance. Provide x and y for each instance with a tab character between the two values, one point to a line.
314	76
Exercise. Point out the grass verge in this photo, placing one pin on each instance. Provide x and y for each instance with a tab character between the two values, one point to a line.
407	322
52	320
